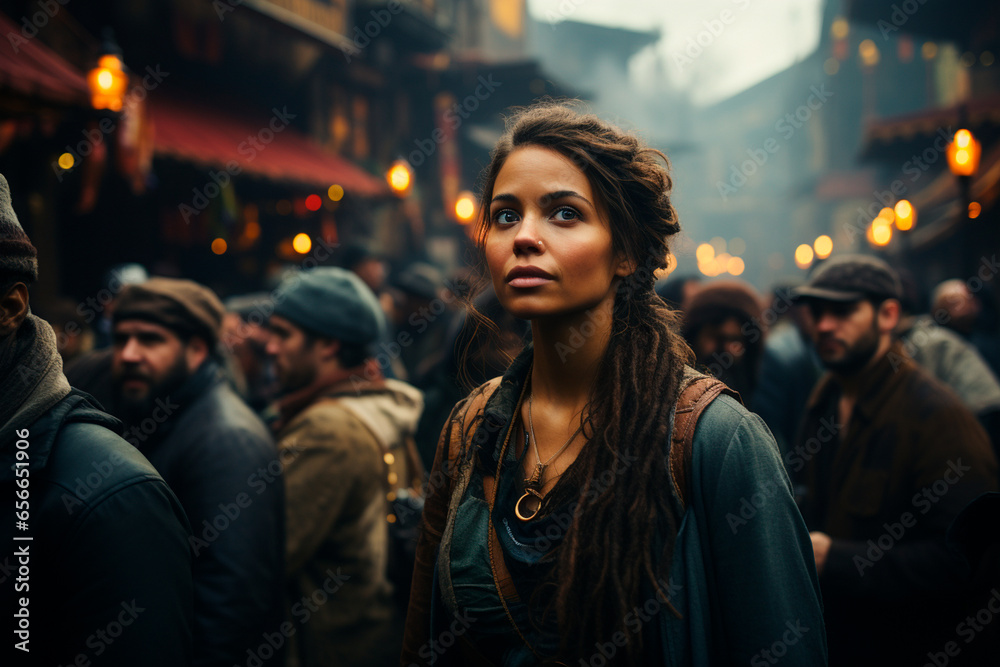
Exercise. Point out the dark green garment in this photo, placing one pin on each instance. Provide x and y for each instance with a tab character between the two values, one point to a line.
742	575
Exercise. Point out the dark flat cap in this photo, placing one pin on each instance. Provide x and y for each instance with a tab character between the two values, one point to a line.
851	278
183	306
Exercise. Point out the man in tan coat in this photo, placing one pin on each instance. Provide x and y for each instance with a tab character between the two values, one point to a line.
340	430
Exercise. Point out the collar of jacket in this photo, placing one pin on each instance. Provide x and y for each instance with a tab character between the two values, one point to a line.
361	379
77	406
872	392
499	410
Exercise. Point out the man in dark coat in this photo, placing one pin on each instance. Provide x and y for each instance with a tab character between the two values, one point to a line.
95	567
886	459
216	455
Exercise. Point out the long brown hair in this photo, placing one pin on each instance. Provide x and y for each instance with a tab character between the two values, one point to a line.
608	552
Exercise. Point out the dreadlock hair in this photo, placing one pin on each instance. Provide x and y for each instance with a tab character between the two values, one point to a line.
622	533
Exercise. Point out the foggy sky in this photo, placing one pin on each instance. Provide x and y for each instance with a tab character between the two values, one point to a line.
760	38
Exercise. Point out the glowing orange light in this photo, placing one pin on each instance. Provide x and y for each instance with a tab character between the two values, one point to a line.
465	206
735	266
705	253
399	177
804	256
219	246
107	83
904	215
963	153
335	192
880	232
823	246
252	231
66	161
302	243
975	208
313	202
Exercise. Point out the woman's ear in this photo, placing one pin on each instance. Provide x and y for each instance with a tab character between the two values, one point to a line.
625	267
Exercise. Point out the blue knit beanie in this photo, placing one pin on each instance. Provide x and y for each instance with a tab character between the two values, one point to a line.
332	302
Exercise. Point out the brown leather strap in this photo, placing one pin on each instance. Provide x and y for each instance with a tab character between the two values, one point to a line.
697	392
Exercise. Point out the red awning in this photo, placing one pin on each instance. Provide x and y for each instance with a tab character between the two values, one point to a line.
32	69
259	144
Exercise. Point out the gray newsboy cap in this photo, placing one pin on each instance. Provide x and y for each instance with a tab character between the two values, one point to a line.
332	302
851	278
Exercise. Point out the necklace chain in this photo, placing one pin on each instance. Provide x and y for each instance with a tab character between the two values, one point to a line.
540	467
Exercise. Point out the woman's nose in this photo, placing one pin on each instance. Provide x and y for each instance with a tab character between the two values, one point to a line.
528	238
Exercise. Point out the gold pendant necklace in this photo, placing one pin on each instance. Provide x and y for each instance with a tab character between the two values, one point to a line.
528	505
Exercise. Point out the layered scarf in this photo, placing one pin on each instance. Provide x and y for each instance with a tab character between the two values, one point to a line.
31	377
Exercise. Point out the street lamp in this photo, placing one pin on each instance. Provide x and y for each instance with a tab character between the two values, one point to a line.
399	176
465	207
108	81
963	160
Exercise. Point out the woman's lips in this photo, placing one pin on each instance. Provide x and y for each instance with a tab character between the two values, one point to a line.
528	281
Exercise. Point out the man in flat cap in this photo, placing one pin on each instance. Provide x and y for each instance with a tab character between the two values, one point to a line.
216	455
95	566
885	460
351	432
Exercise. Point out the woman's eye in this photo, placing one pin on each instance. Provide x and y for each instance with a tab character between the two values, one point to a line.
505	217
566	214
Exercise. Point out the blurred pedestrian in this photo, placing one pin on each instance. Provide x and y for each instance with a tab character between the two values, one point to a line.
553	523
789	369
245	334
722	323
343	432
213	451
95	552
955	306
677	290
886	459
424	314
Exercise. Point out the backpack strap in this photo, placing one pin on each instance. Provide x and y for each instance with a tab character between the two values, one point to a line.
697	392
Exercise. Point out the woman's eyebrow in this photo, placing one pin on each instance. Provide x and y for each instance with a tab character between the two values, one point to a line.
505	197
560	194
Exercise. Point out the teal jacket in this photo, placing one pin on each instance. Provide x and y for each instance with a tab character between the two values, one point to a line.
742	576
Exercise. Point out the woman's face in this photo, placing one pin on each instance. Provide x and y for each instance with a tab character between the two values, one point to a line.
548	245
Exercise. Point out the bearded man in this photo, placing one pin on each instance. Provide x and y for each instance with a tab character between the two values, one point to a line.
216	455
885	460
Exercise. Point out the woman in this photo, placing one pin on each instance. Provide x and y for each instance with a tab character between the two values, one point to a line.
557	535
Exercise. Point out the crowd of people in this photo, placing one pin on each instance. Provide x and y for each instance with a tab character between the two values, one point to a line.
569	463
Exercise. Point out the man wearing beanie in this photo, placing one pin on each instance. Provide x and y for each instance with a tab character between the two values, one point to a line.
94	542
350	431
722	323
216	455
885	460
